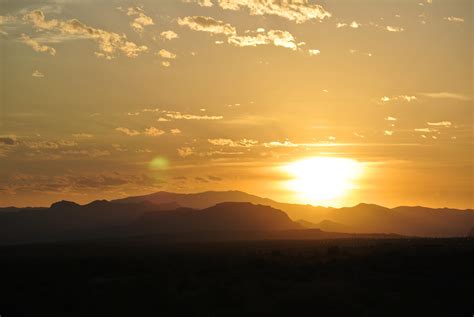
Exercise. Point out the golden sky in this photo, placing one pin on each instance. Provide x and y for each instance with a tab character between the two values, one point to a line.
104	99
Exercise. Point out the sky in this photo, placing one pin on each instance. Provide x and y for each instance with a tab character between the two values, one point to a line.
106	99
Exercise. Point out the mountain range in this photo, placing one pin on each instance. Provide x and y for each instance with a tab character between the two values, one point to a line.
224	215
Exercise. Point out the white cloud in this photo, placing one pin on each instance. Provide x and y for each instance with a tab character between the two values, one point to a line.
141	19
175	131
166	64
394	28
37	74
314	52
127	131
388	132
207	24
82	135
202	3
109	42
447	95
276	37
232	143
185	151
442	123
182	116
152	131
391	119
169	35
401	97
454	19
6	19
298	11
425	130
166	54
36	46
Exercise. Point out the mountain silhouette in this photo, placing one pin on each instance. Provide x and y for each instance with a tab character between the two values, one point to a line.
229	216
230	211
362	218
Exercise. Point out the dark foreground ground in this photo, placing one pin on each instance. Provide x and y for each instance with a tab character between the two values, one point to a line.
417	277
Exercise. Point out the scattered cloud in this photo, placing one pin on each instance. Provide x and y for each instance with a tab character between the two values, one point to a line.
394	28
82	135
353	24
185	151
298	11
391	119
175	131
37	74
6	19
207	24
166	54
127	131
388	132
441	123
454	19
182	116
202	3
109	42
141	19
314	52
152	131
276	37
169	35
232	143
166	64
401	97
446	95
425	130
36	46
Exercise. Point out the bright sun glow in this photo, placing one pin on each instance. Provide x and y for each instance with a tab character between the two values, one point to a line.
322	180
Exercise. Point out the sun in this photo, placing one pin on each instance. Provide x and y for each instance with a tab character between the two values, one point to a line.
322	180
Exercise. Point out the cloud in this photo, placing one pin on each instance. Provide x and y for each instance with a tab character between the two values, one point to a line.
298	11
166	64
202	3
175	131
391	119
127	131
181	116
37	74
6	19
425	130
232	143
388	133
169	35
207	24
166	54
447	95
401	97
152	131
442	123
314	52
141	19
36	46
353	24
394	28
185	151
109	42
276	37
82	135
454	19
280	144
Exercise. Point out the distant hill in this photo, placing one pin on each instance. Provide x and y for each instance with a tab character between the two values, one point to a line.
221	217
326	225
362	218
